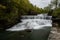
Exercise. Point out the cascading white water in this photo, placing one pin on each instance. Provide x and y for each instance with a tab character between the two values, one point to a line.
39	16
32	22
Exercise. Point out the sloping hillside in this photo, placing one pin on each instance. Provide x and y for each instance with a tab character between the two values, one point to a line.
11	10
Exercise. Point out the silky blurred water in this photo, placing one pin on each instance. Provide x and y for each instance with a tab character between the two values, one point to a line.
38	22
39	27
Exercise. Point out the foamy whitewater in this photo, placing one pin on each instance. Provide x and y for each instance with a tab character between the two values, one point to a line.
33	22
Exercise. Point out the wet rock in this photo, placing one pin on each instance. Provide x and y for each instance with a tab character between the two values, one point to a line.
28	30
55	34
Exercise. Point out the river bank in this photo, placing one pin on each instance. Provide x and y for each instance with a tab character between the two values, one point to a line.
54	34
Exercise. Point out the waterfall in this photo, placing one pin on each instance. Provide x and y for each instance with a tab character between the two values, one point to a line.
33	22
39	16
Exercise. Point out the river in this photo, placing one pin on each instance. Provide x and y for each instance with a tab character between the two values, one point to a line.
39	27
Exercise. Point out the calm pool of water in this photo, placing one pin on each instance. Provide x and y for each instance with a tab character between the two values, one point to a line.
41	34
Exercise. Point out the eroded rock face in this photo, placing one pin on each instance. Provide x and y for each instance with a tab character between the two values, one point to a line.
55	34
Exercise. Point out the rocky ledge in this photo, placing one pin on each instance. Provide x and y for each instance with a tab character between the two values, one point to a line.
54	34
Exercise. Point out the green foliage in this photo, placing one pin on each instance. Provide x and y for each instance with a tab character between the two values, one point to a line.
11	10
9	14
56	12
55	3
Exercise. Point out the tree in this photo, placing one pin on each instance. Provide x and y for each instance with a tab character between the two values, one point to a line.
9	13
54	3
